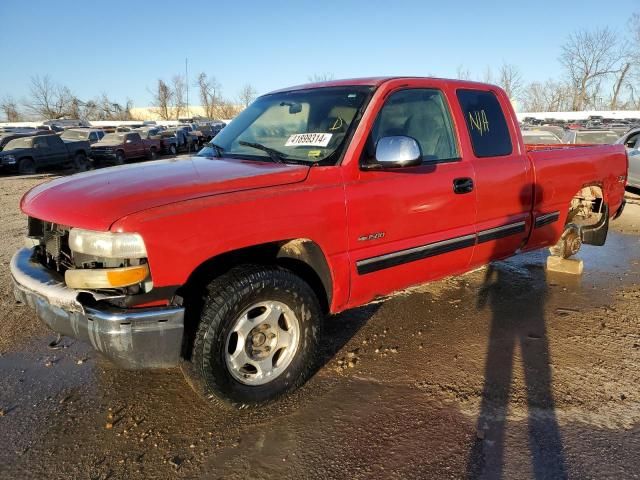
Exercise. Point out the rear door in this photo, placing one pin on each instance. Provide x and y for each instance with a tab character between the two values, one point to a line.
503	176
409	225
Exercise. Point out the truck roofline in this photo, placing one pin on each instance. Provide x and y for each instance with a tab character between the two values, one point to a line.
377	82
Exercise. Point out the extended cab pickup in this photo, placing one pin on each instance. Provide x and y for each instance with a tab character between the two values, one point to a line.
116	148
27	154
315	199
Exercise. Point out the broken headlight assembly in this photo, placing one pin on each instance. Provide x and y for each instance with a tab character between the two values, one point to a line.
109	260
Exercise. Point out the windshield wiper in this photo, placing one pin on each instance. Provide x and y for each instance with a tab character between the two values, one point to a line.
218	149
275	155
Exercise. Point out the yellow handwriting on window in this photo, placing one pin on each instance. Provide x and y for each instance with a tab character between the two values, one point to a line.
479	121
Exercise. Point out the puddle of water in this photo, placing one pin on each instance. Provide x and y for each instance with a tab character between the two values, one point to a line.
371	429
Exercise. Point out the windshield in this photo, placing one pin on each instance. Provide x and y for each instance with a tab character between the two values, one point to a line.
596	137
304	125
75	135
24	142
113	137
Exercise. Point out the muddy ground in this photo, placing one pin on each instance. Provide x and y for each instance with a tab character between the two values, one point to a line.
507	371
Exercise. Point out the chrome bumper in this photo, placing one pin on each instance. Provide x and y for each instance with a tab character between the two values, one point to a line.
130	338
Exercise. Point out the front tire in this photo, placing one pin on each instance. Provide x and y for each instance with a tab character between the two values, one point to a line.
120	158
258	336
26	166
80	162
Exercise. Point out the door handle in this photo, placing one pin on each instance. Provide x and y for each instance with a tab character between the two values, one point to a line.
462	185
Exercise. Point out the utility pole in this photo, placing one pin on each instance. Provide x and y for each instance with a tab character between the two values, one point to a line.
186	79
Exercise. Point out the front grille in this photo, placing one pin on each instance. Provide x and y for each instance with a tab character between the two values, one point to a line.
53	251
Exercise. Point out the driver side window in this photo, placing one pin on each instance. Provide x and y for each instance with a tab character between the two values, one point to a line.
421	114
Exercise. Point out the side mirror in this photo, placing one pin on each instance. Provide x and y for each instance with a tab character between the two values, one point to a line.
128	141
396	152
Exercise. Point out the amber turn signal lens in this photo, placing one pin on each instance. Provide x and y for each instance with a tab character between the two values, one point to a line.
122	277
106	277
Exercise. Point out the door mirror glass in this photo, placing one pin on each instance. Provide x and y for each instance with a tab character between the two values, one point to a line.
397	151
128	141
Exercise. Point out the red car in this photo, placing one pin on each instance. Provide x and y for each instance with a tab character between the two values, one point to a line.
315	199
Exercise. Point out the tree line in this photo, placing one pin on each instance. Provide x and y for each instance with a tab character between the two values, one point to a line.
170	98
600	71
49	100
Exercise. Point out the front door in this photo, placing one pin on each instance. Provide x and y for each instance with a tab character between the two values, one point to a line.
409	225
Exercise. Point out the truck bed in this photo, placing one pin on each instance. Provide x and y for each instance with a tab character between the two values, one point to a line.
561	171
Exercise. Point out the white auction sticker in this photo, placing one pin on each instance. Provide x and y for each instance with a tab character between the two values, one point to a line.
309	140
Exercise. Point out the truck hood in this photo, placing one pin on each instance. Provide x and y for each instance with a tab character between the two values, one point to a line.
95	200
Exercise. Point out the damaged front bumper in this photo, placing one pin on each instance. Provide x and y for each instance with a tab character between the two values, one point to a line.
130	338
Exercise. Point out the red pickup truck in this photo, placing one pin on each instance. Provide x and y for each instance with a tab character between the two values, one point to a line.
315	199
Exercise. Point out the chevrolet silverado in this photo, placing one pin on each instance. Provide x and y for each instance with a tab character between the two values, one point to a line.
315	199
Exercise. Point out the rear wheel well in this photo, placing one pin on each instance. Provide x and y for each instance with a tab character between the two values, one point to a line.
303	257
587	206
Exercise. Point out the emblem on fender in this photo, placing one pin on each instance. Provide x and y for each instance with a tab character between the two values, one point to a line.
372	236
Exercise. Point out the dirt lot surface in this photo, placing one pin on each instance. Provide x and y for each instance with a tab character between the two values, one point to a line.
507	371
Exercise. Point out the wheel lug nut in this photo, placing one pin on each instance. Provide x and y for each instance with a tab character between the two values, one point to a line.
267	348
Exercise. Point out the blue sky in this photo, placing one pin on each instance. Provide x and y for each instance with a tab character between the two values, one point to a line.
122	47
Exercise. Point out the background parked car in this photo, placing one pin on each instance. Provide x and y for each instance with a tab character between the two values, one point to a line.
631	140
91	135
7	137
541	137
117	148
590	136
185	141
196	138
27	154
168	139
557	130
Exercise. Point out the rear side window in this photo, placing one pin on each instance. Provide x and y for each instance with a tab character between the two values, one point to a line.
486	123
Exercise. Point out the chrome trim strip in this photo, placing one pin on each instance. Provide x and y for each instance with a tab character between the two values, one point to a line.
501	231
409	251
503	227
400	257
546	219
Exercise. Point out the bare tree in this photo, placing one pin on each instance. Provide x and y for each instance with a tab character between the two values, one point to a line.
209	90
247	95
487	77
510	79
550	96
48	99
628	76
178	97
162	98
10	109
321	77
620	77
463	73
589	56
226	110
